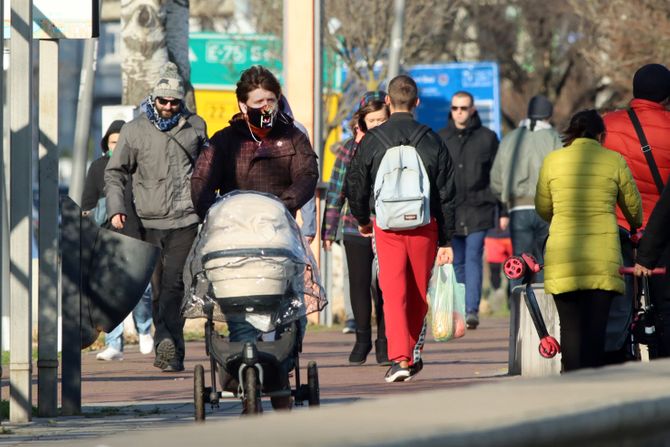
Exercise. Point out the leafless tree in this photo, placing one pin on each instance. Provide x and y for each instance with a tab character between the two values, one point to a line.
537	49
620	36
578	53
358	32
153	32
216	16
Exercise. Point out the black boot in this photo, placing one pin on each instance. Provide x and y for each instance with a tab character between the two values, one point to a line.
381	352
362	347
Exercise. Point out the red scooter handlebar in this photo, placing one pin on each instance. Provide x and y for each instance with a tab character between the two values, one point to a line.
631	270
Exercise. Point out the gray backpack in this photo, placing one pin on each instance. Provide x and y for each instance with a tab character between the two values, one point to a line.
402	187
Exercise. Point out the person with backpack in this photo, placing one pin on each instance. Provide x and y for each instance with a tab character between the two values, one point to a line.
400	189
649	162
93	202
339	223
473	148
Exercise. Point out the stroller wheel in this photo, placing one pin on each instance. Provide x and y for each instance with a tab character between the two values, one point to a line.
282	403
252	401
313	384
199	392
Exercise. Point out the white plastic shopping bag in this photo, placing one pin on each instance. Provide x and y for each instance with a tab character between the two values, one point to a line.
446	298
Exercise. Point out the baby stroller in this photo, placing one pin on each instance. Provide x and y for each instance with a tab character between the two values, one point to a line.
642	338
251	264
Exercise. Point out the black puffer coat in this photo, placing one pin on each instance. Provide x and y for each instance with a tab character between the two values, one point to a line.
360	177
472	150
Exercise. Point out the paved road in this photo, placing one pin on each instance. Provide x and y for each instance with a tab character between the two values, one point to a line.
129	394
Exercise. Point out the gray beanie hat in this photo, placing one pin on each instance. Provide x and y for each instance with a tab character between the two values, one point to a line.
169	83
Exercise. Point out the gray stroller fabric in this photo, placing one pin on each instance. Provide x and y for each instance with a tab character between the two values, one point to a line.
250	251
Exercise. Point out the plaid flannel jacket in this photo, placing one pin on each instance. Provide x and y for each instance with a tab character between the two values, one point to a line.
337	211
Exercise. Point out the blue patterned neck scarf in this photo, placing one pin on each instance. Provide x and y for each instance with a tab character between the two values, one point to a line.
162	124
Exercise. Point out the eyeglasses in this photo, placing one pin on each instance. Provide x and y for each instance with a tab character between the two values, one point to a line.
172	102
461	108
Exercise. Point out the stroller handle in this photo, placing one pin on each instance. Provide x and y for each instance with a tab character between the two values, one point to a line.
631	270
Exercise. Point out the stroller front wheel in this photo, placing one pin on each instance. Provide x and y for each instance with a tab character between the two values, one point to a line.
199	392
314	398
252	401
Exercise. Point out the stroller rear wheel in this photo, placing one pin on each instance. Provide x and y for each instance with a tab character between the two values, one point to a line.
282	403
199	392
314	399
252	401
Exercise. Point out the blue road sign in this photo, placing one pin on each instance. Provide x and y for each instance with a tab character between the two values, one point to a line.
438	82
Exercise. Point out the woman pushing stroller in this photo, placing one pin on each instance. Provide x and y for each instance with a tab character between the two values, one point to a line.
250	255
261	150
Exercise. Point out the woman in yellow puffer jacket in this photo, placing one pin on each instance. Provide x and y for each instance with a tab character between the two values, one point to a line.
578	190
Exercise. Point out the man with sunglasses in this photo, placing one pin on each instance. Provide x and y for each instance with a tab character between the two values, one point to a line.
472	148
159	149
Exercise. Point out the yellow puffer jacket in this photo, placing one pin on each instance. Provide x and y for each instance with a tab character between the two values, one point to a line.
577	193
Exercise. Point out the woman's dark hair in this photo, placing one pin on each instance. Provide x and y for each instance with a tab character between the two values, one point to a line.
353	124
255	77
370	107
584	124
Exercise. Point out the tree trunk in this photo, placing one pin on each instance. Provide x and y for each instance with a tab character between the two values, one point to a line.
153	32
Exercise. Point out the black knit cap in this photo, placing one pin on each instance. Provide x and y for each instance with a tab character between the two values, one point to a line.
115	127
652	82
540	108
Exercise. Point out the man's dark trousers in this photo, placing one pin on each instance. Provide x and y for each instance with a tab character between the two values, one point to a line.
168	285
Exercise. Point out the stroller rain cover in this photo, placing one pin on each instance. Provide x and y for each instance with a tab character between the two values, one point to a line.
250	251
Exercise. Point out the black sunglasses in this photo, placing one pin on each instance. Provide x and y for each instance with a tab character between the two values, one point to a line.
463	108
172	102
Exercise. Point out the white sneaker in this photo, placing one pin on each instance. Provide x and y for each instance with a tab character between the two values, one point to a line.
110	354
146	343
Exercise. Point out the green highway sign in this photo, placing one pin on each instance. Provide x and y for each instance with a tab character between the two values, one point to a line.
217	59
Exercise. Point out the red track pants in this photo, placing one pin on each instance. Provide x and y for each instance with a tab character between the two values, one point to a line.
406	259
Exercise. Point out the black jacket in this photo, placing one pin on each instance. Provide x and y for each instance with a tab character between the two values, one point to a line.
654	245
363	169
472	150
94	189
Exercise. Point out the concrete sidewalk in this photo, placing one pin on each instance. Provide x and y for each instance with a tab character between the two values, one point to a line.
627	405
131	394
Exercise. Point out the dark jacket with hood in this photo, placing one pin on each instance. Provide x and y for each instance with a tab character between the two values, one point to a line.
363	170
655	243
472	150
283	163
94	188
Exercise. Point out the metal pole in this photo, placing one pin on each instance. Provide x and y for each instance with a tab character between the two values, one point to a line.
317	113
47	333
318	81
4	204
21	150
71	298
396	38
82	130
